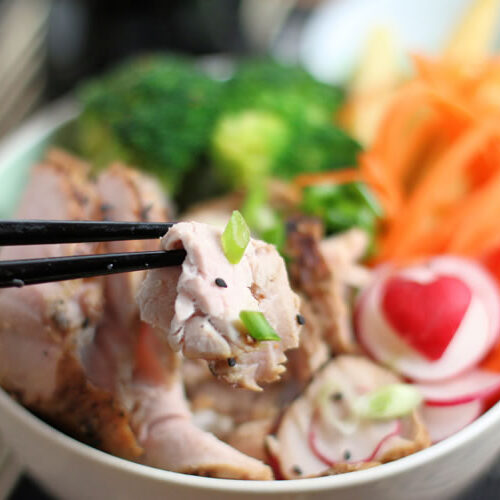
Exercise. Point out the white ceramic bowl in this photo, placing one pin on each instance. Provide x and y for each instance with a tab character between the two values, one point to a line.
74	471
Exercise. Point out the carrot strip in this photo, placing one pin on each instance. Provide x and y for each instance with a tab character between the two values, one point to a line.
385	187
438	190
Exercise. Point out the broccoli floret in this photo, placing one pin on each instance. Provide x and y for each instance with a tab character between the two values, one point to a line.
246	144
305	109
155	112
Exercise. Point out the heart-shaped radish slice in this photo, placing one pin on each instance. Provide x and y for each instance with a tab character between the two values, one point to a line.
333	447
476	384
426	315
475	335
444	421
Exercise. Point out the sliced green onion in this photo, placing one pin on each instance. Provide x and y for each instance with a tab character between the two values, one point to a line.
257	326
391	401
235	238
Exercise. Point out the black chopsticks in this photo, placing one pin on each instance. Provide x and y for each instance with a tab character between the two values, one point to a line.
40	232
17	273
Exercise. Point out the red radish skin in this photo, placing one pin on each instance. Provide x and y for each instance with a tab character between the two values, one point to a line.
426	315
311	438
472	340
444	421
476	384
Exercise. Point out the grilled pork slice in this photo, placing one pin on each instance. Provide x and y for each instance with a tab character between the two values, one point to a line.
128	195
146	381
313	351
46	329
201	318
325	273
239	417
319	433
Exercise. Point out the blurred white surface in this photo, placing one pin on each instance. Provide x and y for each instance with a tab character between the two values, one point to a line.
336	33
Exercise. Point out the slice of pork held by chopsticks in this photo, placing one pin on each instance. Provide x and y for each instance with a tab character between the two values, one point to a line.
320	433
198	306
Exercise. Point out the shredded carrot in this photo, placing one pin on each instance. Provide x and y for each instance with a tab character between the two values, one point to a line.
435	163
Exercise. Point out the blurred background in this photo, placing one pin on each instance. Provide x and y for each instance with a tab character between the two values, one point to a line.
47	46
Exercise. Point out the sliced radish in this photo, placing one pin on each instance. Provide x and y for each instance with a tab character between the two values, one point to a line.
473	338
476	384
289	448
333	447
481	281
444	421
426	315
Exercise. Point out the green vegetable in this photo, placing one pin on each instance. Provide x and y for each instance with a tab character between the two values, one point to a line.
391	401
235	238
246	144
156	113
263	220
277	120
342	206
257	325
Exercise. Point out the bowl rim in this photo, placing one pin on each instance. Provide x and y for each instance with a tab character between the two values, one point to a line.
38	128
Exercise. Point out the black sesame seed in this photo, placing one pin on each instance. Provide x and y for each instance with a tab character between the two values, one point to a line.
347	455
17	282
86	322
297	470
220	282
337	396
231	362
300	319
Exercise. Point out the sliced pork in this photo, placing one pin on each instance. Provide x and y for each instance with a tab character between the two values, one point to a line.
154	400
313	351
320	433
127	195
45	330
198	306
325	272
